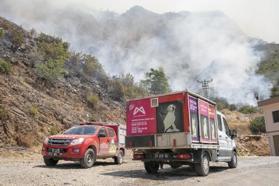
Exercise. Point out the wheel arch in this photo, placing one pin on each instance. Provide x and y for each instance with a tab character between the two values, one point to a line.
123	150
92	147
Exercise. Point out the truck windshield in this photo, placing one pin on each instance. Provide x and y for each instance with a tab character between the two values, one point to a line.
81	130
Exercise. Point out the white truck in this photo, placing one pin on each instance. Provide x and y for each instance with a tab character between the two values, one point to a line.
180	128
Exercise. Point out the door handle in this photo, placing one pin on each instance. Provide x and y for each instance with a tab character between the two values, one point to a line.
220	136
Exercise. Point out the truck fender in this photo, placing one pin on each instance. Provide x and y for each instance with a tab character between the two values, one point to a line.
198	154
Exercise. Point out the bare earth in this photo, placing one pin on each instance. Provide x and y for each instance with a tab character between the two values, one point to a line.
32	171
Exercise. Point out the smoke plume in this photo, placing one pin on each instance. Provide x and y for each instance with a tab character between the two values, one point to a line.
189	46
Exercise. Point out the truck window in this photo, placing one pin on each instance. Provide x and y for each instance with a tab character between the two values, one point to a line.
103	131
219	122
89	130
226	127
111	132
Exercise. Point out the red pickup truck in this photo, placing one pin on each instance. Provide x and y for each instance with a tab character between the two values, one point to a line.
85	143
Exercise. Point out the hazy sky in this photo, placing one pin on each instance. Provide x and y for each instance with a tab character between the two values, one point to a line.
257	18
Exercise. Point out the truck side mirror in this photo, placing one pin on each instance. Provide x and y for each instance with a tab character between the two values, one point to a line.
233	133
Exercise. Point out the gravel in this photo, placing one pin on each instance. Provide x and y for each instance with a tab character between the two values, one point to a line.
32	171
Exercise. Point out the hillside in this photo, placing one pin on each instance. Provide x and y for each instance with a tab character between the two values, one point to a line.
269	66
32	107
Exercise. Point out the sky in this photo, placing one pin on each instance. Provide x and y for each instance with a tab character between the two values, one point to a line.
256	18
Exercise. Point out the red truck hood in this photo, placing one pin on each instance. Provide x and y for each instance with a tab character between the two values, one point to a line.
67	136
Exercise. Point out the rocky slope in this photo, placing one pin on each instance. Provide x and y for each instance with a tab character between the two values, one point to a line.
30	108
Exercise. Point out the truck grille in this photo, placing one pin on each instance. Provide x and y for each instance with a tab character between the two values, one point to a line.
59	141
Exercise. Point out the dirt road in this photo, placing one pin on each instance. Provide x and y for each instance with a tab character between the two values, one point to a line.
251	171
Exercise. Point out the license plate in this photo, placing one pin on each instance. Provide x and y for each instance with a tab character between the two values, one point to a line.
162	155
54	152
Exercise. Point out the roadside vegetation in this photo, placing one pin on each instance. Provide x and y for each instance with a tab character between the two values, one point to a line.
257	125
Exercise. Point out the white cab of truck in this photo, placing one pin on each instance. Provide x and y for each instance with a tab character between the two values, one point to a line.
227	144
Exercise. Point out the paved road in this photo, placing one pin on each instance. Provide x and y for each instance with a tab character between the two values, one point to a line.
251	171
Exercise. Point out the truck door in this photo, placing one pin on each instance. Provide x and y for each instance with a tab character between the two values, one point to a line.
103	142
221	136
112	142
228	138
224	150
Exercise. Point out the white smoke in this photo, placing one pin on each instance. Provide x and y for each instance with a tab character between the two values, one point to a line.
189	46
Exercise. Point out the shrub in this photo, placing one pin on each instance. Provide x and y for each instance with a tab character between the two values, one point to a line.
25	140
248	109
91	65
129	87
54	130
257	125
33	111
1	33
17	38
92	100
53	48
50	70
5	67
116	90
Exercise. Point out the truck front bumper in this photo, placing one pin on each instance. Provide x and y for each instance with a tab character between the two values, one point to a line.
75	152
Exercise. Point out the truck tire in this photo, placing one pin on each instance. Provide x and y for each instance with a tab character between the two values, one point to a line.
50	162
233	162
151	167
202	168
119	158
89	158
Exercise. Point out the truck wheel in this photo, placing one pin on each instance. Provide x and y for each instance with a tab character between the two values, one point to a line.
89	159
233	162
151	167
119	158
202	168
50	162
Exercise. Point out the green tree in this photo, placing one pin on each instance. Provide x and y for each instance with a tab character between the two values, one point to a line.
257	125
55	53
156	82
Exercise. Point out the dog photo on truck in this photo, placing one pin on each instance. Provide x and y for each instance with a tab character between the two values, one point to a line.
133	92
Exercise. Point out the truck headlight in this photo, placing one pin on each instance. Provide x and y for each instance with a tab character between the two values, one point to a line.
77	141
46	141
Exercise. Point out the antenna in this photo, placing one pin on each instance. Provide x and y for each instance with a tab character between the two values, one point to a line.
205	86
